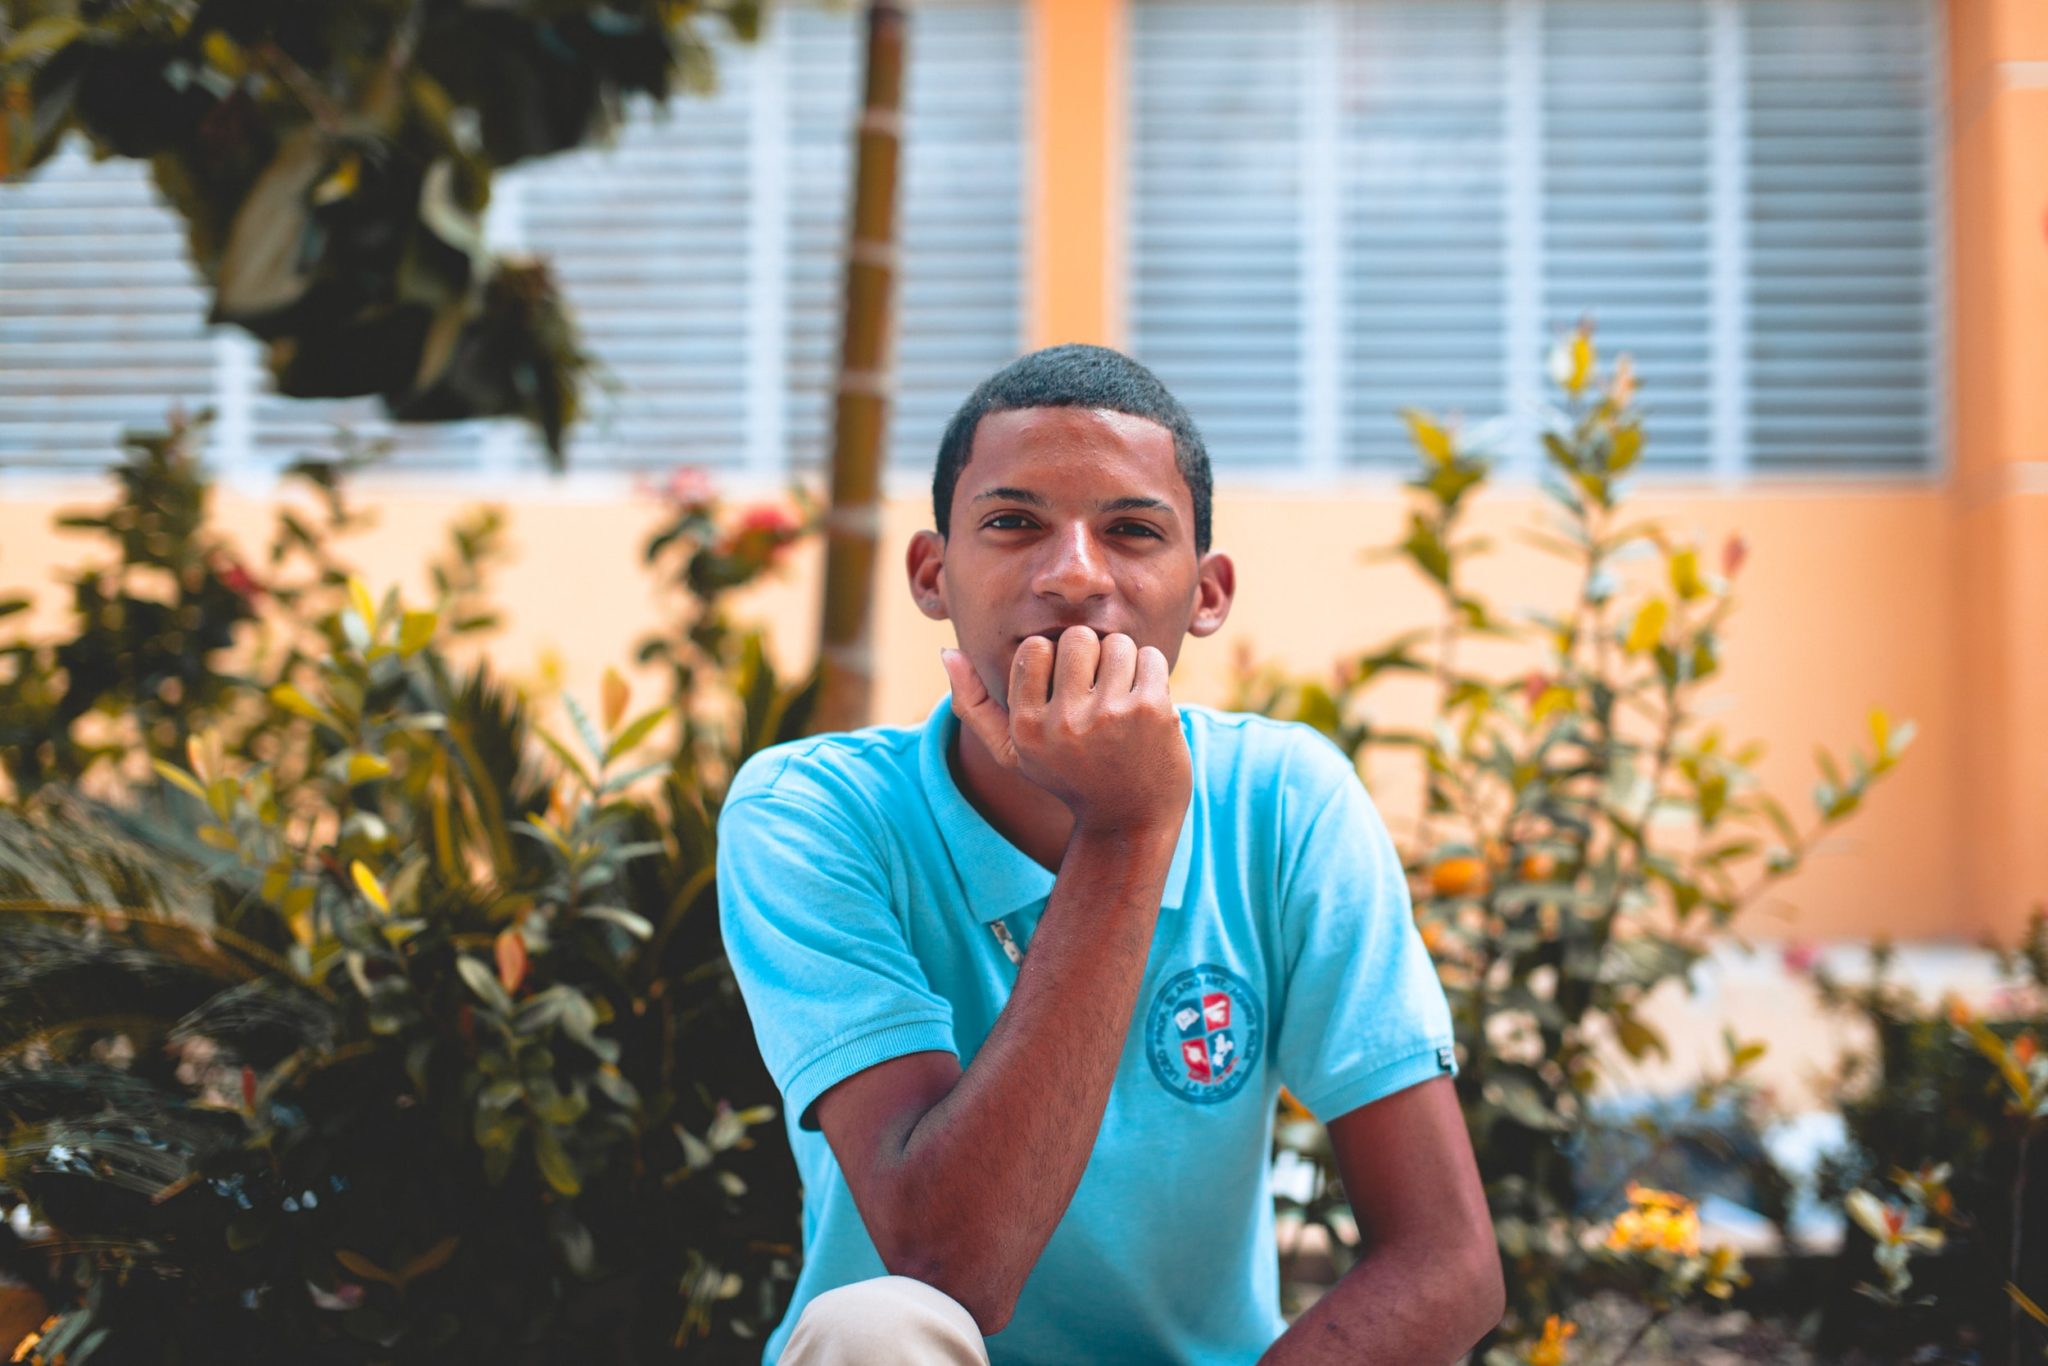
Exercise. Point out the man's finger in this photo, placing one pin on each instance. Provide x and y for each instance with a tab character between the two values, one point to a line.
1080	650
977	711
1151	672
1031	676
1117	671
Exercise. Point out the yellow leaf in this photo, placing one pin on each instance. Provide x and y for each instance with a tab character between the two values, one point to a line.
1648	628
1553	699
276	881
433	1259
216	837
341	183
2033	1311
289	698
224	54
616	695
220	798
1582	360
366	882
1432	440
359	1265
37	40
179	778
1571	362
363	768
1685	575
360	599
1880	729
416	630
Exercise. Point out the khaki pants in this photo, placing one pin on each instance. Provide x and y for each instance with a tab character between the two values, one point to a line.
888	1319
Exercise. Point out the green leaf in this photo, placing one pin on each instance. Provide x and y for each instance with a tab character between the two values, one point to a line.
636	925
584	727
634	733
1426	549
562	752
264	266
553	1161
484	983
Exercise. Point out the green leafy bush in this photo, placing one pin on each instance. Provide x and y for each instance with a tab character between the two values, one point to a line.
1945	1177
1585	837
381	1023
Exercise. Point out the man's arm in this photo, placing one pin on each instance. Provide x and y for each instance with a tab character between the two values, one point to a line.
961	1177
1429	1285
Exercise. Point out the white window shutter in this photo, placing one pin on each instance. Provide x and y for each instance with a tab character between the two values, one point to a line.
1425	239
649	241
1741	194
101	325
1844	100
1216	215
1627	156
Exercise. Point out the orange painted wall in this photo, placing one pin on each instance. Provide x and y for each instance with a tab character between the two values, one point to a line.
1843	592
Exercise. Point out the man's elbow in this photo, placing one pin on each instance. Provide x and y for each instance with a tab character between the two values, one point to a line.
1486	1291
967	1280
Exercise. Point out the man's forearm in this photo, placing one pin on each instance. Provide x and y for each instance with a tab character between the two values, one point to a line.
1402	1304
985	1176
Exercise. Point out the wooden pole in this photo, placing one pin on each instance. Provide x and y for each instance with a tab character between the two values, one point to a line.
860	426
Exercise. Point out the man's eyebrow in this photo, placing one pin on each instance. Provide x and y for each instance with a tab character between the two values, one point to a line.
1010	495
1128	503
1136	504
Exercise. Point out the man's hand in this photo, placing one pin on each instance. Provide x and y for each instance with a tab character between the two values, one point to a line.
1093	724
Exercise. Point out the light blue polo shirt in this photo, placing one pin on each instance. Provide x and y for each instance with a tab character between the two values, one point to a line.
857	887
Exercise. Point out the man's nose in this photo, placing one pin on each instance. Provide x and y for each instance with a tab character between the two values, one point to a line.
1075	568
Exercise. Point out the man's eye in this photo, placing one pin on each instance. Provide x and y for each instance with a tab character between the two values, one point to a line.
1138	527
1019	522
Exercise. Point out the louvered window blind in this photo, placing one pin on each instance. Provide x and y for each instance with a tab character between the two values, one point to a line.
1339	208
700	253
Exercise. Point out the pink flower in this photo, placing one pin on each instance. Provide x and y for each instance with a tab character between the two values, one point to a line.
760	535
689	488
237	577
1800	957
1732	555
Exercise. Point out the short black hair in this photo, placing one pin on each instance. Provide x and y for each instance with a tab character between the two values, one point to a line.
1075	376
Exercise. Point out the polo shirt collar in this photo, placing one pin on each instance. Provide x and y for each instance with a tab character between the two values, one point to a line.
1000	878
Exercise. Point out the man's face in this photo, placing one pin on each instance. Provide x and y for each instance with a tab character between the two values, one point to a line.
1063	517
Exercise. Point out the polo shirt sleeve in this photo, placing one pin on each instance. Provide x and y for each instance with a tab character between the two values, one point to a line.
1365	1015
818	948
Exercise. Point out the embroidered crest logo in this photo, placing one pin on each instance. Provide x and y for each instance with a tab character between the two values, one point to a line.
1204	1034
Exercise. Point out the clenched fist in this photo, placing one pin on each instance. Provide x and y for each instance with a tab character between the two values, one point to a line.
1091	722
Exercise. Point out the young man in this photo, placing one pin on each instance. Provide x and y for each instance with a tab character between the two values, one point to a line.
1031	975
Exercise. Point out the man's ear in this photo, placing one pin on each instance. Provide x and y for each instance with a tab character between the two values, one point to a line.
926	563
1215	586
